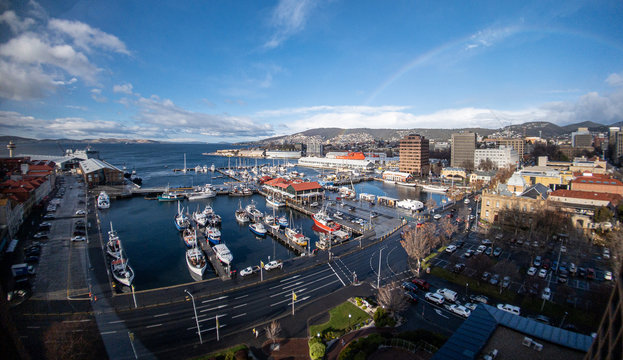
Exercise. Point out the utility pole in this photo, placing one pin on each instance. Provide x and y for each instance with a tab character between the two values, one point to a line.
196	318
378	278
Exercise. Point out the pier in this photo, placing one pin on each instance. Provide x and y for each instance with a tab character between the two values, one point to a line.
219	269
283	239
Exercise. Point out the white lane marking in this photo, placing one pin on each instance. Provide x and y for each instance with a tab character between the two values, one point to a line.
159	315
220	326
304	277
337	275
75	321
292	285
289	301
116	322
218	298
239	306
291	278
152	326
212	318
286	292
109	332
240	297
239	315
214	308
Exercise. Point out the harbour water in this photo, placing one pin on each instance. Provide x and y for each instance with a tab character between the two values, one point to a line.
152	243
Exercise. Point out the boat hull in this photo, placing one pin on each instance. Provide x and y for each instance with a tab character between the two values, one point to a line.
256	232
194	269
324	226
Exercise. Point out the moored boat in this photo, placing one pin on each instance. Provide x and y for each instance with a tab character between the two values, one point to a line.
283	221
324	221
103	201
190	237
258	228
271	201
434	188
223	254
113	246
213	234
196	261
181	220
296	237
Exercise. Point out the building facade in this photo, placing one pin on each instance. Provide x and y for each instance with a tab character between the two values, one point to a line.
516	143
98	172
414	155
581	138
597	183
463	147
501	157
315	148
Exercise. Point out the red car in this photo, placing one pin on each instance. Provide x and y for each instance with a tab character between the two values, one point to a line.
420	283
590	273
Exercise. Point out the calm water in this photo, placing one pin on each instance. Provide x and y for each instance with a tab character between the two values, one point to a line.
151	241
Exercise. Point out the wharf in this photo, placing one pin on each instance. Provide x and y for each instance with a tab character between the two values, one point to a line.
282	238
310	211
219	269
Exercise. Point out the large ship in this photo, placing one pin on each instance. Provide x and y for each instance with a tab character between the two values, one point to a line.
324	221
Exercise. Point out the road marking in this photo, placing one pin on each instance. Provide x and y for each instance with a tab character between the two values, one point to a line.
342	281
159	315
116	322
239	306
218	298
214	308
291	285
108	332
240	297
152	326
440	313
220	316
289	301
291	278
239	315
75	321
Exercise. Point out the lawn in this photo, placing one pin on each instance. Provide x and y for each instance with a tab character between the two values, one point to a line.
339	318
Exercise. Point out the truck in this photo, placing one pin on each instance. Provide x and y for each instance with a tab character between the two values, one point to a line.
447	294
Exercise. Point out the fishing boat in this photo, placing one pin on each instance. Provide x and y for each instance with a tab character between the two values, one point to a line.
202	193
213	234
200	218
214	219
283	221
223	254
121	270
241	216
253	212
271	201
324	221
296	236
196	261
434	188
103	201
271	222
113	246
181	220
258	228
190	237
170	196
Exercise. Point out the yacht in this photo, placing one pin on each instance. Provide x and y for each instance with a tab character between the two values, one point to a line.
121	270
258	228
113	246
271	201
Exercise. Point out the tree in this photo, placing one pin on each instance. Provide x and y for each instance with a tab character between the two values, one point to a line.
486	165
418	243
603	214
430	203
272	330
391	298
468	165
480	263
71	340
447	227
317	351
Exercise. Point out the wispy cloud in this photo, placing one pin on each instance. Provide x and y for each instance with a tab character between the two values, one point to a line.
288	18
96	94
615	79
490	36
123	88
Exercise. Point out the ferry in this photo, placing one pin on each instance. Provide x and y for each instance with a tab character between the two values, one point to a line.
103	201
223	254
324	221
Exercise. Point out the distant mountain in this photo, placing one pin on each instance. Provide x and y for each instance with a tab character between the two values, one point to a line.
17	140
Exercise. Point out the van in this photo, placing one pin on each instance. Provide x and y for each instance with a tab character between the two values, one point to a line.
448	294
516	310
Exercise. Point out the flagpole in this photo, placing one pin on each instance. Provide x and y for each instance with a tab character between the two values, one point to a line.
293	298
217	335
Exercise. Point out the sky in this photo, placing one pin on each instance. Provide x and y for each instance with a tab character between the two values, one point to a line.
214	71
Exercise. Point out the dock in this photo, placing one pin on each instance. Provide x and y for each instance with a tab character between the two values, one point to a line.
219	269
283	239
310	211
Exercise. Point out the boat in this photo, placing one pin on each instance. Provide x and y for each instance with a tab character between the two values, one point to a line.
121	270
241	216
196	261
212	168
181	221
214	219
223	254
213	234
113	246
283	221
190	237
208	210
200	218
434	188
204	192
103	201
296	236
271	201
404	183
410	204
253	212
271	222
258	228
324	221
168	195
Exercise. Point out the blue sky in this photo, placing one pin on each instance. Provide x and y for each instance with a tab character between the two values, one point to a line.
244	70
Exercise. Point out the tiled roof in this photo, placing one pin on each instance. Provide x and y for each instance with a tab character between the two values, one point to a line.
306	186
577	194
597	179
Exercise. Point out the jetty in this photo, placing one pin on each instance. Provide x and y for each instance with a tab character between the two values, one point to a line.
218	267
283	239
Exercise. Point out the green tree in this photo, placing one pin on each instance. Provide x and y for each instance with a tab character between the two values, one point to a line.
603	214
317	351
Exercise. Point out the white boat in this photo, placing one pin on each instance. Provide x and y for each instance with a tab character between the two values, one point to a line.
103	201
410	204
271	201
409	184
121	270
258	228
196	261
296	236
213	234
200	218
204	192
253	212
241	216
212	168
181	221
190	237
223	254
113	246
434	188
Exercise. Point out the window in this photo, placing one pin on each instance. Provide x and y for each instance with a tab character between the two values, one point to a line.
487	213
497	204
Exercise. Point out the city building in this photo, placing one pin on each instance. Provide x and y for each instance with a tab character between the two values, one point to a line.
619	146
98	172
481	176
530	201
463	147
613	131
294	190
581	138
328	163
490	333
455	173
396	176
315	148
277	154
414	155
516	143
501	157
582	205
545	175
597	183
253	153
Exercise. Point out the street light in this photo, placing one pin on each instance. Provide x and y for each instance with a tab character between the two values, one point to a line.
349	321
196	318
378	278
563	319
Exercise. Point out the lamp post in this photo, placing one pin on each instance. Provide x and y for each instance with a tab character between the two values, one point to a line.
349	321
563	319
196	318
378	278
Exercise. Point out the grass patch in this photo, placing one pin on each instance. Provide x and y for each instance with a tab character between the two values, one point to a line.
224	354
475	286
430	257
339	321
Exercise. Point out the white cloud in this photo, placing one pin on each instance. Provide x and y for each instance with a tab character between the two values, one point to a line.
24	82
86	37
491	36
96	94
123	88
288	18
15	23
615	79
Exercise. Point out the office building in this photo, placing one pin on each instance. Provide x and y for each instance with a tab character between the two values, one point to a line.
414	155
463	147
581	138
501	157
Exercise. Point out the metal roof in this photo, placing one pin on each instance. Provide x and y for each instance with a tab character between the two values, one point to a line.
91	165
471	337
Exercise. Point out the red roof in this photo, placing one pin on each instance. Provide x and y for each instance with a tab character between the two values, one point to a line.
597	179
590	195
306	186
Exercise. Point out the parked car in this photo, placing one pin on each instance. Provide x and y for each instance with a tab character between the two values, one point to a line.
470	306
486	242
273	265
420	283
435	298
537	261
460	310
249	270
547	294
510	308
451	248
531	271
437	216
41	235
534	289
506	281
458	268
408	286
582	271
495	279
590	273
497	251
606	253
542	273
468	253
31	259
411	297
480	249
460	244
488	251
479	298
608	275
485	276
448	294
573	269
78	238
81	212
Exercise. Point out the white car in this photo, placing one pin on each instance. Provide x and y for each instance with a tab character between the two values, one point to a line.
460	310
273	265
81	212
608	275
437	216
78	238
510	308
606	253
435	297
547	294
531	271
451	248
466	201
542	273
480	249
249	270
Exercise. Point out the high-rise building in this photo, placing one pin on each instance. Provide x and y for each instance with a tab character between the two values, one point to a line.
463	147
501	157
315	148
516	143
612	134
619	145
414	155
581	138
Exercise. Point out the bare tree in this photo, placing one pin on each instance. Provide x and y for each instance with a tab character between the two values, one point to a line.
447	227
71	340
486	165
392	299
418	242
614	242
272	330
480	263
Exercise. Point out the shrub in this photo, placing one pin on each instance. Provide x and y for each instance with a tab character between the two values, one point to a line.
382	319
358	301
316	351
